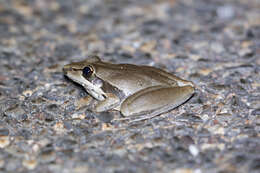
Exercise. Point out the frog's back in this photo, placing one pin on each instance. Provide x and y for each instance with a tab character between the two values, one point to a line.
131	78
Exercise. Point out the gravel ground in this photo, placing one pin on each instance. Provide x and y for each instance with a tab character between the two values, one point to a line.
45	125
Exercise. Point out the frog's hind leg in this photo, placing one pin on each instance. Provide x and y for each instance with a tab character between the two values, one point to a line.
154	101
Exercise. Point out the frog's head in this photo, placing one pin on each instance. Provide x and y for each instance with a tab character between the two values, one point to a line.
83	73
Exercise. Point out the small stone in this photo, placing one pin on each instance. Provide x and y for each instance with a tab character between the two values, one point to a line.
183	170
25	132
4	141
245	52
255	84
4	132
193	150
47	156
2	163
256	112
186	140
82	102
205	71
16	112
2	78
66	143
30	163
217	130
255	104
13	165
217	47
27	93
246	44
81	169
255	165
212	146
148	47
204	117
197	171
78	116
59	128
128	48
106	126
225	12
52	108
195	57
48	117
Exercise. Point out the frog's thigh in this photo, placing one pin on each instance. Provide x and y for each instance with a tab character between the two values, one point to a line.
110	102
155	100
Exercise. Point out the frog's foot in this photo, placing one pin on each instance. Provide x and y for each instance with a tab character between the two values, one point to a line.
153	101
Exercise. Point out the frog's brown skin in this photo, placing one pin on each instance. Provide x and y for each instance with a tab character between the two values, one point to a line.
131	89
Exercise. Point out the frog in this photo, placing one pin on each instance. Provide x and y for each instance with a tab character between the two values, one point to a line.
133	90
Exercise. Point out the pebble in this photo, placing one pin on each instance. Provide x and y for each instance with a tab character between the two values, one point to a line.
4	132
225	12
212	146
256	112
4	141
2	163
193	150
46	156
183	170
30	163
217	47
59	128
245	52
16	112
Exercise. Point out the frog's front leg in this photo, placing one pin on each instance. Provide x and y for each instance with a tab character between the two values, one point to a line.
155	100
110	102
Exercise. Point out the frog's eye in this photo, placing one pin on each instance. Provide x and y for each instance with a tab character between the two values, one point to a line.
87	72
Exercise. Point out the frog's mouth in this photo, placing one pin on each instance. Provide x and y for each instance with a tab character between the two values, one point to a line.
94	90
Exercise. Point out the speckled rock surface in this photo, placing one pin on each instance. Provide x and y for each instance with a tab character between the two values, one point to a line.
45	125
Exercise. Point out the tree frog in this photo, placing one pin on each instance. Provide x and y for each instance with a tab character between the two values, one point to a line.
131	89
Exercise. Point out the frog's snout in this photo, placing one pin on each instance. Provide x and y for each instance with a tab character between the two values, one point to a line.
65	69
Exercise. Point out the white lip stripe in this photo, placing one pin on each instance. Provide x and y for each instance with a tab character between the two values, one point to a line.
93	90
